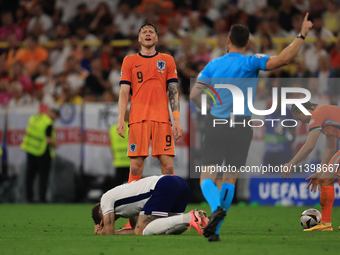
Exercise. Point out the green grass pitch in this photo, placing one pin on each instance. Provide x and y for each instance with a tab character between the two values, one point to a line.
68	229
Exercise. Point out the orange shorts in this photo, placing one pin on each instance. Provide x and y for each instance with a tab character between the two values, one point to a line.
159	133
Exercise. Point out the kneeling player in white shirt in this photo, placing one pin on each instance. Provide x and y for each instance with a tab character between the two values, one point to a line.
148	203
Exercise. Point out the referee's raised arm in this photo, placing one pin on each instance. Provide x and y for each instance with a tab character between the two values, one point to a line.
287	55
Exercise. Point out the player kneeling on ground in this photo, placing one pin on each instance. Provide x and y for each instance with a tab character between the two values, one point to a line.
148	203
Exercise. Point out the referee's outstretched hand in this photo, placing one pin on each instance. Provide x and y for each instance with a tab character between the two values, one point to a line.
306	25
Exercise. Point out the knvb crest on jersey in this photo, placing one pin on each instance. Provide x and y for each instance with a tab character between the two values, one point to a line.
161	65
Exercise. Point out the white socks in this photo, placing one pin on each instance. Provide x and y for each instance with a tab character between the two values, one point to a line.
173	225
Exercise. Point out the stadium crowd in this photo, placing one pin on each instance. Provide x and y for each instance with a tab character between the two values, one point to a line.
75	68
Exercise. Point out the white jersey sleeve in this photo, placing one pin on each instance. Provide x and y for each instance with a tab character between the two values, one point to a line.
128	200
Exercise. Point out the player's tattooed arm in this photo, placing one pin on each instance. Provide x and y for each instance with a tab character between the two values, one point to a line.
173	96
107	225
143	221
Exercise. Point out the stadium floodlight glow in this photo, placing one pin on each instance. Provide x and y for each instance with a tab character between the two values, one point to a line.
239	100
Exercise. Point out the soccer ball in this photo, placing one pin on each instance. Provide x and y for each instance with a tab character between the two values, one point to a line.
310	218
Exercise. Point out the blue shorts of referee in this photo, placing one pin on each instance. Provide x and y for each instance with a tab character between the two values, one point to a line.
170	197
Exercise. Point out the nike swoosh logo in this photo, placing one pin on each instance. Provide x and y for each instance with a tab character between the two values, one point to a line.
167	149
137	66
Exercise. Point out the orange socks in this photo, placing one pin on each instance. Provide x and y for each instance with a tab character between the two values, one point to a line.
134	178
326	201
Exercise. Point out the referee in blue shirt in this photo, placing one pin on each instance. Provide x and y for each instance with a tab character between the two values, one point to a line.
227	144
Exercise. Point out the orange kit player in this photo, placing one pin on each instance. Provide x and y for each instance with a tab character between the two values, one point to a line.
147	76
324	119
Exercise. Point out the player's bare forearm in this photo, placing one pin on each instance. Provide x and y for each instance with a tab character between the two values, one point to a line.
173	96
302	154
109	225
123	101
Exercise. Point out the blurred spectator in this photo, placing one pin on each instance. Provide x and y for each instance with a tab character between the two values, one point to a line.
195	32
75	48
109	97
57	25
39	97
68	95
332	16
86	61
58	56
102	17
111	32
33	55
84	35
173	32
302	5
266	45
286	14
335	54
44	78
207	15
219	28
97	82
166	13
21	18
105	54
28	4
5	94
254	10
38	16
76	74
313	55
301	69
324	73
186	47
234	15
274	24
316	97
13	51
68	9
202	53
19	97
187	69
8	27
63	31
3	71
114	76
319	30
18	74
83	17
134	47
125	19
222	46
183	13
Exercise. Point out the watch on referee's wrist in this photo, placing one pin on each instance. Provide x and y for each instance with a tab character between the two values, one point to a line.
301	36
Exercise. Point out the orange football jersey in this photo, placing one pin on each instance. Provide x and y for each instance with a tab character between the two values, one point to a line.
148	77
327	119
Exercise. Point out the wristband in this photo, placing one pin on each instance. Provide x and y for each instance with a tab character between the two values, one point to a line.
175	114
